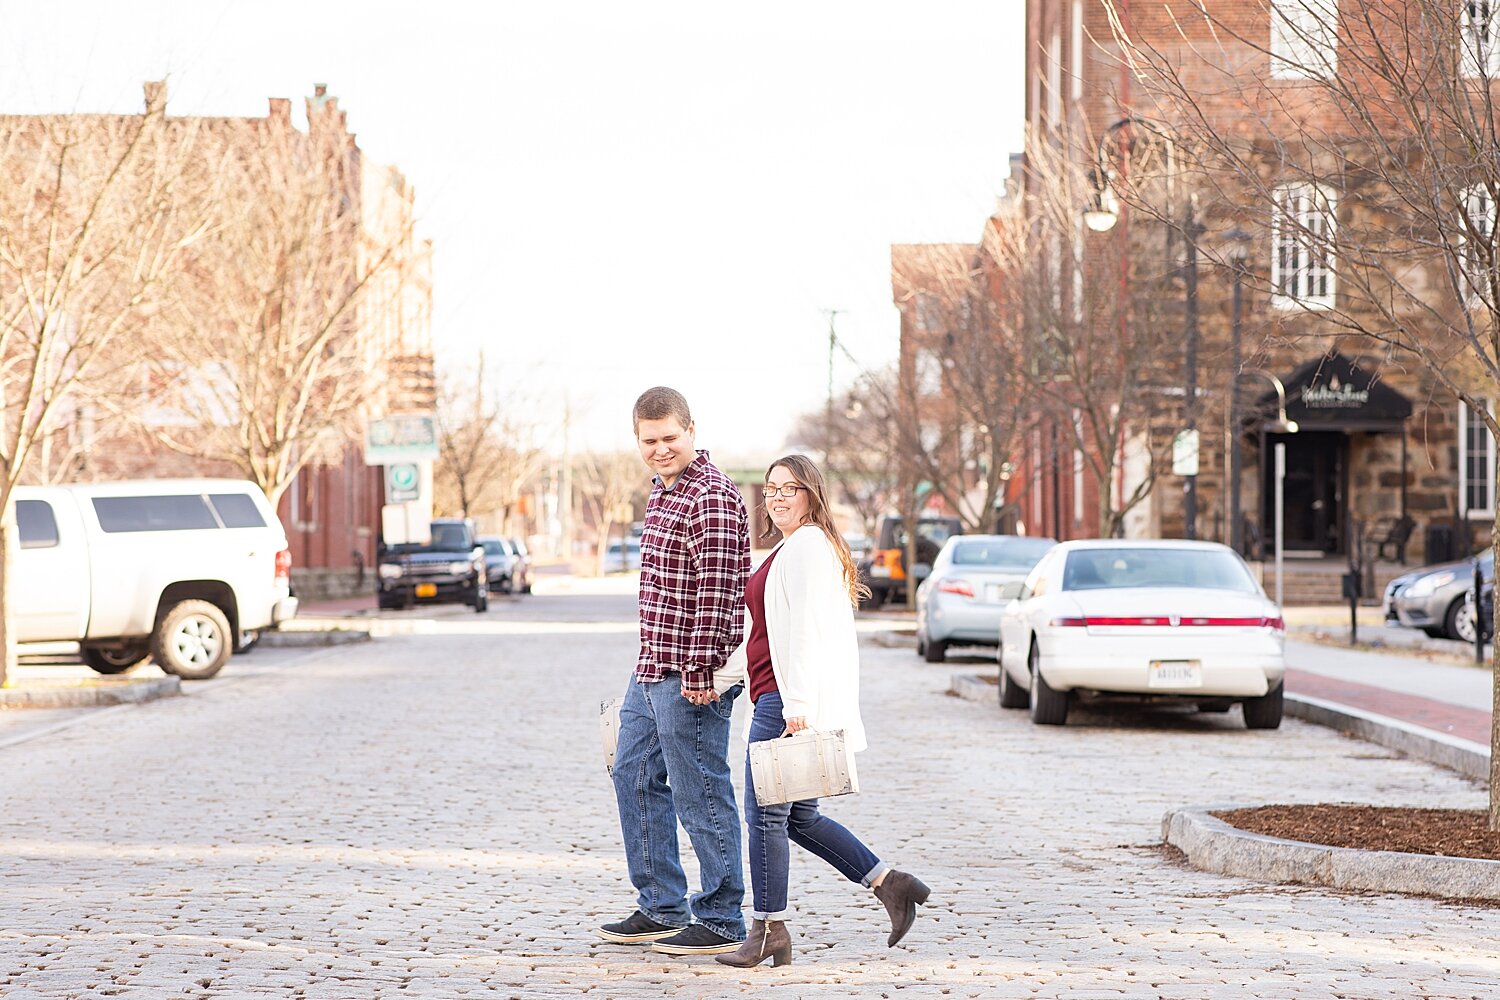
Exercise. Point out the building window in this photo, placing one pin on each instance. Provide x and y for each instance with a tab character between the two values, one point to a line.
1476	239
929	313
1077	467
1304	39
929	372
1302	258
1480	54
1476	463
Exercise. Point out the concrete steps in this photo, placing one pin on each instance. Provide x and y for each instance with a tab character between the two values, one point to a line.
1321	582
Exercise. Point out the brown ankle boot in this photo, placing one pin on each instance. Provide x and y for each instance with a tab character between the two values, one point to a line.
767	939
901	893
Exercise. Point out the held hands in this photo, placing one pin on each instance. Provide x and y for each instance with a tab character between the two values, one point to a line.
796	724
700	697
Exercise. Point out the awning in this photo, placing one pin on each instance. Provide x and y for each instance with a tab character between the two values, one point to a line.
1332	393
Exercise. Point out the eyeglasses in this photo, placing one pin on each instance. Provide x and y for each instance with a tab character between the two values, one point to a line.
788	491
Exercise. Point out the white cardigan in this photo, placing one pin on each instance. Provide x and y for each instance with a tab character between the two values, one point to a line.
810	625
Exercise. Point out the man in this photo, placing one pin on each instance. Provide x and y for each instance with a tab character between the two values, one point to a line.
671	762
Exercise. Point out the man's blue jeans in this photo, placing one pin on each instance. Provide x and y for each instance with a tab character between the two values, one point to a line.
771	826
672	763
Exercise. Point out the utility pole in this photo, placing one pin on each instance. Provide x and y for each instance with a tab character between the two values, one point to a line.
565	482
833	341
1191	231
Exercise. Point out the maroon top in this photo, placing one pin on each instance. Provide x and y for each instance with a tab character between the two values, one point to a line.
758	647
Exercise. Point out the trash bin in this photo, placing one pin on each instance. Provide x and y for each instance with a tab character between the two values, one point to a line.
1439	544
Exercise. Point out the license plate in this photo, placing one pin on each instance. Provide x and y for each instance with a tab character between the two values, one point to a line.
426	590
1175	674
992	593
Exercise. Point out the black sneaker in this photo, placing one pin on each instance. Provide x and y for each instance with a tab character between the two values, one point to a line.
695	939
636	929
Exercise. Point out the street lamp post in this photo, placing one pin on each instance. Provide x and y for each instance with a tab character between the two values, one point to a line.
1238	252
1100	216
1282	425
1190	231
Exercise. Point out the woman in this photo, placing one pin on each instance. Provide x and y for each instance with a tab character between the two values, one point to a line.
803	673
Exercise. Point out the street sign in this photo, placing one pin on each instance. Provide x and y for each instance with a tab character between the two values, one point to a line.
403	483
407	438
1185	453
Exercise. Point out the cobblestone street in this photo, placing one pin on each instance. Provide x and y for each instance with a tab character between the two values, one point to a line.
428	815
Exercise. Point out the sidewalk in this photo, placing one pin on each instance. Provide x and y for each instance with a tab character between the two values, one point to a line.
1436	711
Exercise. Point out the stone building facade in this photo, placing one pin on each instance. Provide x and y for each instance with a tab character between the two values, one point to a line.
1380	443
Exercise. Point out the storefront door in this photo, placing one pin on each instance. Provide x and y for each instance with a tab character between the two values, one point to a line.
1315	491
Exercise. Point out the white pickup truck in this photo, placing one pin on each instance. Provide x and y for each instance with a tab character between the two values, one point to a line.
180	570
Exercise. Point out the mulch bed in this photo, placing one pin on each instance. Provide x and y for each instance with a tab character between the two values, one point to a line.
1454	833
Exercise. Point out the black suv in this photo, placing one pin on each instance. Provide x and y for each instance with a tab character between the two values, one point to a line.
449	568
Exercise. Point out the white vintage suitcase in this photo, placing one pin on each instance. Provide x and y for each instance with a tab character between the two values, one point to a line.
808	765
609	730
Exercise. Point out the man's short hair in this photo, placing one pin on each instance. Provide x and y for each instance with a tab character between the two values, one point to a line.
659	403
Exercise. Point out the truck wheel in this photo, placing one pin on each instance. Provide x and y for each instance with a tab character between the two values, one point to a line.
192	640
105	660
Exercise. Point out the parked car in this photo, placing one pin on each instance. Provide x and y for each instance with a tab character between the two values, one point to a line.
1166	619
959	602
1432	598
523	566
622	557
185	571
500	562
885	571
451	567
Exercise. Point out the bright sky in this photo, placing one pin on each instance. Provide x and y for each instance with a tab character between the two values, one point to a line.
620	194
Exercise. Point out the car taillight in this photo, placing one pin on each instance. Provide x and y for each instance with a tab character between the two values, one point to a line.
957	587
1172	621
284	565
1068	622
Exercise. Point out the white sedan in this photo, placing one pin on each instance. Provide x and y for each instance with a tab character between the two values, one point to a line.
1173	619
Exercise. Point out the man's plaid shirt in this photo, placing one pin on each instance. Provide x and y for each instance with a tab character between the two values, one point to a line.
695	558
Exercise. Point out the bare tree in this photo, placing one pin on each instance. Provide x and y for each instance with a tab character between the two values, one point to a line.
94	220
860	447
288	321
1367	134
488	451
1101	353
961	397
609	485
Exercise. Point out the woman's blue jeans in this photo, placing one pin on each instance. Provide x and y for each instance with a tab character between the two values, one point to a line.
772	826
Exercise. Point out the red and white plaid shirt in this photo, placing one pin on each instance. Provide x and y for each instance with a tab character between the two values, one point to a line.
695	558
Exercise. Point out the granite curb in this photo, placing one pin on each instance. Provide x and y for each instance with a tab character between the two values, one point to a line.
972	687
1213	845
91	694
1468	758
312	638
892	639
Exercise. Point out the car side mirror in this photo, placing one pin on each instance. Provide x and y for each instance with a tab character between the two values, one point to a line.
1012	591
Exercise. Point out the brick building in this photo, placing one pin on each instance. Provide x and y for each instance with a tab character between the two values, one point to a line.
1380	439
331	509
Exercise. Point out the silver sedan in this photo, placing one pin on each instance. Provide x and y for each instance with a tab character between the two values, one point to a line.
1432	599
959	602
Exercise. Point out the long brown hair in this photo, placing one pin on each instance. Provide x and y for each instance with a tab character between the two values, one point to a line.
807	474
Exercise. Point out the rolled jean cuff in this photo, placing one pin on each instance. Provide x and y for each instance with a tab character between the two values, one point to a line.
874	873
778	915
